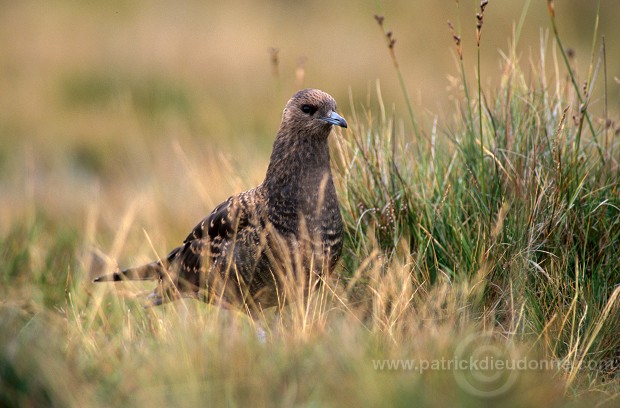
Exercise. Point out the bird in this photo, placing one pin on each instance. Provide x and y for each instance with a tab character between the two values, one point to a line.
258	247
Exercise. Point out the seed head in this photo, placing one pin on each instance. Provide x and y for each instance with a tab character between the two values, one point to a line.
480	20
457	40
551	8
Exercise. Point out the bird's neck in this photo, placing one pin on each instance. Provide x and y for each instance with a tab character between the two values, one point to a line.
298	161
298	170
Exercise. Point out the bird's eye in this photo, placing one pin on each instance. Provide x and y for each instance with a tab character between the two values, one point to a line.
309	109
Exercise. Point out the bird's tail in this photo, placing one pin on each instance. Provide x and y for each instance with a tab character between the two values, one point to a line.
150	271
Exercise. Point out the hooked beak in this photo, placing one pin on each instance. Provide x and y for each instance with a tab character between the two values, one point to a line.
335	119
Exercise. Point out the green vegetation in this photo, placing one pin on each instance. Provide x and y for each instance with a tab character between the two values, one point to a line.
493	231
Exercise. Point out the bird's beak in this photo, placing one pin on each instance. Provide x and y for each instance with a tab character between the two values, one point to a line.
335	119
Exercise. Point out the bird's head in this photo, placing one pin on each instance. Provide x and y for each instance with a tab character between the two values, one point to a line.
313	112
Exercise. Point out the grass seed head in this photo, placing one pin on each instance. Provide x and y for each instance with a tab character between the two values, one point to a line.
457	40
551	8
480	20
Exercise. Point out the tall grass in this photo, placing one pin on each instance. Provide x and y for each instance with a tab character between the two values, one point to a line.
517	204
492	232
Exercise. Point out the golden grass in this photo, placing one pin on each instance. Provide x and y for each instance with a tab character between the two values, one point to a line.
122	125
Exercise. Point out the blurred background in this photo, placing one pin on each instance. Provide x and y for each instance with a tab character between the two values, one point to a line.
107	104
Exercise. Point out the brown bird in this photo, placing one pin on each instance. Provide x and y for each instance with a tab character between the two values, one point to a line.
257	245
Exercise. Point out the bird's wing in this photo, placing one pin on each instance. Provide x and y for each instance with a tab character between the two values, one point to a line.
205	246
224	221
211	235
208	238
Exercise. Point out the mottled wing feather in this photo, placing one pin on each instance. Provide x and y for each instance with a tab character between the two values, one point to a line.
209	236
189	258
223	222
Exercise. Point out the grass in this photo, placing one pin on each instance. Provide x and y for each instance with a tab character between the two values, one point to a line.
490	233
